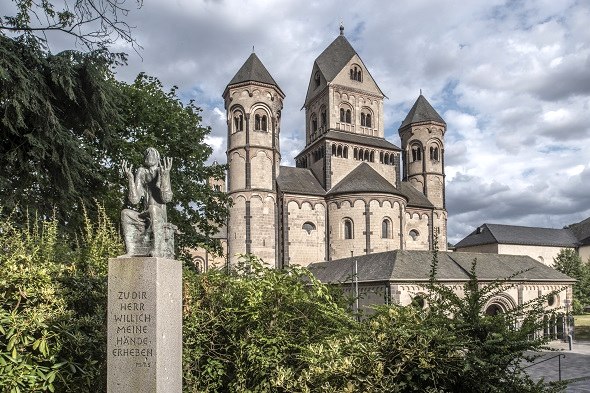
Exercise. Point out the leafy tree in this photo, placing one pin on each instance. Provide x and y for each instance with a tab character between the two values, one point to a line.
153	117
569	262
56	113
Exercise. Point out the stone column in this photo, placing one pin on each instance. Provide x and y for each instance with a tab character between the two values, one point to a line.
144	325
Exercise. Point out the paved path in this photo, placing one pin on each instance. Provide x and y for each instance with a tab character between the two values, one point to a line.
575	365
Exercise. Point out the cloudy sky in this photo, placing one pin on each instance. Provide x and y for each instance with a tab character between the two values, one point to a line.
511	79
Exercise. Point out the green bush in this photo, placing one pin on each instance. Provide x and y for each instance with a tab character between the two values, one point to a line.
53	292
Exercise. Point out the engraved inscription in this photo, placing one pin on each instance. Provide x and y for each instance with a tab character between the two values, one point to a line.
132	329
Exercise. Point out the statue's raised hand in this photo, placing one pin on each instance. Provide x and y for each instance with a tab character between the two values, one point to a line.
127	169
166	165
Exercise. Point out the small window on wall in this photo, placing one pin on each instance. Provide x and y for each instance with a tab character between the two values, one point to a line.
323	117
308	227
414	234
419	301
416	153
317	78
238	124
434	155
386	229
348	230
260	120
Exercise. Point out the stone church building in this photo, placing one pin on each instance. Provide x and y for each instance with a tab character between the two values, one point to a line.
352	192
355	205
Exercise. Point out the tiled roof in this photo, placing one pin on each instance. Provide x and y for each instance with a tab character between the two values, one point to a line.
363	178
581	231
253	71
298	181
415	197
512	234
422	111
406	265
334	57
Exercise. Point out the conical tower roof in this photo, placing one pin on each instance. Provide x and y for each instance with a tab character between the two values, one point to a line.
422	111
253	71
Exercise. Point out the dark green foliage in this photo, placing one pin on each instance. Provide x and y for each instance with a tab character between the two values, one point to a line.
53	306
56	115
243	327
570	263
491	348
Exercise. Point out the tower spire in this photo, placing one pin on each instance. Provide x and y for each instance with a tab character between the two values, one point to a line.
341	27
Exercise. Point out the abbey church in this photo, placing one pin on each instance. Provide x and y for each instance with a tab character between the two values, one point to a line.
352	192
355	205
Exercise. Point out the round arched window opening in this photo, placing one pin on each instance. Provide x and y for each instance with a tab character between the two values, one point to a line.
419	301
348	229
308	227
551	300
494	309
414	234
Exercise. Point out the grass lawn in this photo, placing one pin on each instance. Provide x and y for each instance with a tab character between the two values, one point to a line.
582	327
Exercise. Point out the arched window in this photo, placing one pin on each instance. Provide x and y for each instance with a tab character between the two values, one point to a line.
372	157
308	227
416	153
434	153
368	120
264	127
391	158
381	157
333	149
323	117
314	123
345	152
362	119
355	154
356	74
317	79
348	116
342	115
348	229
339	151
414	234
419	301
257	123
366	156
386	229
238	121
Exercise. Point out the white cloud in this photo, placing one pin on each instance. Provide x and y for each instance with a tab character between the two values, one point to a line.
512	80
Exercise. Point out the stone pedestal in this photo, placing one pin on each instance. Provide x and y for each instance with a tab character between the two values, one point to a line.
144	343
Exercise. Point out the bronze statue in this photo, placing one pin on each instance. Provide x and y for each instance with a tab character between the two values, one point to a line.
147	233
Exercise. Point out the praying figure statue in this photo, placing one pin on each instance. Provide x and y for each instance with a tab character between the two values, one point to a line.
147	232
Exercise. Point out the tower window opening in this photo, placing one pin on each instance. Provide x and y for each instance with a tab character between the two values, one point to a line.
317	79
323	118
345	152
355	154
414	234
348	229
264	126
381	157
333	150
339	151
362	119
342	115
238	122
368	120
416	153
348	116
434	153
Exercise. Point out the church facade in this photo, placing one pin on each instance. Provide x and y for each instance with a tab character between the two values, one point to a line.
352	192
